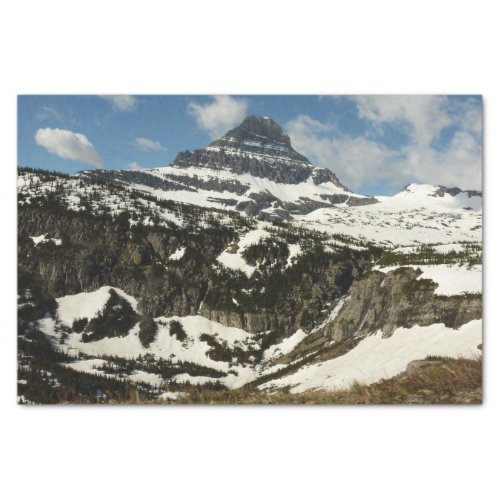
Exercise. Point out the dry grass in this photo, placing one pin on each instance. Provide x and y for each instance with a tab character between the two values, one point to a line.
441	381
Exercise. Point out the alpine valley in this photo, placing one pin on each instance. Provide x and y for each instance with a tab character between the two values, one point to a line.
243	273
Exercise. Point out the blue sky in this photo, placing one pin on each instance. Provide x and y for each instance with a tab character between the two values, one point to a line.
375	144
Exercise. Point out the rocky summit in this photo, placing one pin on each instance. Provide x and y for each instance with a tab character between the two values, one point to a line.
258	147
239	267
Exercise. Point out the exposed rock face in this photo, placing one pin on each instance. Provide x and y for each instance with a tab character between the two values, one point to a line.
300	307
442	191
454	191
378	301
258	147
398	299
99	252
254	322
104	251
352	201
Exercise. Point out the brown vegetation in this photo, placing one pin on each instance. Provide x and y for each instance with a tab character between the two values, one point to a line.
435	381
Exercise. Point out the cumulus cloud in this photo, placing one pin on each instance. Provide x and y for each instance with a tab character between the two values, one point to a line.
220	115
424	116
458	164
148	144
121	102
353	159
68	144
470	116
425	157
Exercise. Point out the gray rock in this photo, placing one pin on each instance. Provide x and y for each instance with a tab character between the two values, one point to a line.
414	367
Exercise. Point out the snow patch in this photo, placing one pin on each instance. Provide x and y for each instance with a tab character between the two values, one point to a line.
43	239
293	251
171	396
178	254
285	346
87	304
194	380
236	261
406	219
452	279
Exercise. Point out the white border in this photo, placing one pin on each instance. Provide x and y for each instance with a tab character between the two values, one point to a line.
251	47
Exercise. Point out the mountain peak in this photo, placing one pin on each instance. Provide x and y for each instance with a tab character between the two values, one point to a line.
259	147
259	136
261	128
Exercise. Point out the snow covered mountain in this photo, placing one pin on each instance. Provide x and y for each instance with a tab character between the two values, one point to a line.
239	265
253	169
419	214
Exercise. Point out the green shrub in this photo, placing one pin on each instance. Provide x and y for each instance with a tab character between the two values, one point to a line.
177	330
147	330
79	324
305	318
117	318
419	285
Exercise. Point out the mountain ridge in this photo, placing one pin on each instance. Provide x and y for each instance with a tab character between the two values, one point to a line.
258	147
252	169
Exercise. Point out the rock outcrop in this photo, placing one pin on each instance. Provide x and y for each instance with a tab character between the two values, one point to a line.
386	301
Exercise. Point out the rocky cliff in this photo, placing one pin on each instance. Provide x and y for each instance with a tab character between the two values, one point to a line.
383	302
102	250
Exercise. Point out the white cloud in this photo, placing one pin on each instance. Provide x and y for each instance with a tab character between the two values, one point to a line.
222	114
148	144
362	159
424	116
354	159
68	144
469	115
121	102
46	112
459	164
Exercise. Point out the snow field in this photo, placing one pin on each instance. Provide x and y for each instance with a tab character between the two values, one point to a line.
87	304
376	358
286	346
236	261
92	366
373	359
